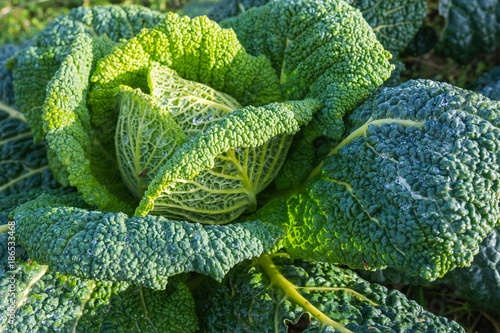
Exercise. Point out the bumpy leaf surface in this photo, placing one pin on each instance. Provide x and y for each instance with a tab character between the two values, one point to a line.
143	251
414	186
488	84
6	75
35	299
146	137
222	191
478	283
254	298
36	65
307	44
394	22
84	162
472	27
228	185
198	50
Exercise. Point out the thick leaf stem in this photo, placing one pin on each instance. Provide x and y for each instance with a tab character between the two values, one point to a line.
361	131
291	293
4	228
12	112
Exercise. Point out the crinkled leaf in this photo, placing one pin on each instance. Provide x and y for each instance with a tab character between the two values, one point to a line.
414	186
394	22
478	283
47	301
85	162
146	137
472	27
307	44
208	180
36	65
193	105
6	75
143	251
198	50
488	84
275	294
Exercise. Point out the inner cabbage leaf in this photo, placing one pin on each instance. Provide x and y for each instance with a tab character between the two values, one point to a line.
150	129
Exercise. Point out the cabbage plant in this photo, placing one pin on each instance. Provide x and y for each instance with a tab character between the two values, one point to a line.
170	138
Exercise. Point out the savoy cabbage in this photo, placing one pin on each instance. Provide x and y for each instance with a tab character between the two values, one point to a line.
191	175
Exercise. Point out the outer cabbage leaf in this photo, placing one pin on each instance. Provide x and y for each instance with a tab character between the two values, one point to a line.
297	45
86	163
143	251
478	283
488	84
414	186
279	295
324	50
11	202
472	27
23	165
47	301
394	22
37	64
6	76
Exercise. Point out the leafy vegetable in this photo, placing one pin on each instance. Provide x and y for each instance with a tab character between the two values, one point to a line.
37	64
394	22
416	179
471	28
143	251
23	165
297	47
226	69
45	300
276	294
149	114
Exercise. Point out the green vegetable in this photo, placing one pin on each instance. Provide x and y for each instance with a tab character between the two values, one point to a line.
226	180
413	186
394	22
478	283
471	28
52	45
23	164
143	251
312	56
150	114
86	145
6	79
488	84
276	294
48	301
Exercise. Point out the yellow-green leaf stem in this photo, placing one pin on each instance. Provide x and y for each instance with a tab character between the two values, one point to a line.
361	131
4	228
350	291
292	294
13	113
